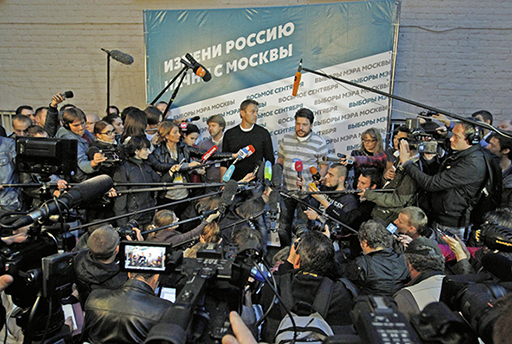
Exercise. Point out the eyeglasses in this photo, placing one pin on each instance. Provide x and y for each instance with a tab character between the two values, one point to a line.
369	141
110	132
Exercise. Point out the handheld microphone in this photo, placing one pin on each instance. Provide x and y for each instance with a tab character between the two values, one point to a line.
208	154
198	69
314	173
86	191
349	161
298	167
296	81
243	153
192	119
277	176
67	94
330	159
119	56
261	171
228	174
226	199
268	172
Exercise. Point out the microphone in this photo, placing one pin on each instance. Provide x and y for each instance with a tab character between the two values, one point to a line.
296	81
277	176
243	153
349	160
261	171
226	199
208	154
274	210
199	69
192	119
330	158
84	192
298	167
228	174
119	56
268	172
67	94
314	173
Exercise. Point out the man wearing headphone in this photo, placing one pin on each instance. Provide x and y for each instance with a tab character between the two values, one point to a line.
454	188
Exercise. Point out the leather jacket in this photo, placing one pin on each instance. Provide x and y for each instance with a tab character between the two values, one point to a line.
124	315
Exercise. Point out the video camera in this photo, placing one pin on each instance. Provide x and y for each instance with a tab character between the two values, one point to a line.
128	230
211	286
421	141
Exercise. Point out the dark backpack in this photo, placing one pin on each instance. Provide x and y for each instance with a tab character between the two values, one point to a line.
489	197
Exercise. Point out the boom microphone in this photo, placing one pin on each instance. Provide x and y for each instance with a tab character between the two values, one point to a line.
199	69
208	154
84	192
67	94
192	119
226	199
296	81
330	158
119	56
277	176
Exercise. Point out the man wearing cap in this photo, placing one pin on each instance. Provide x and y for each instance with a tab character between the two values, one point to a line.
97	267
426	266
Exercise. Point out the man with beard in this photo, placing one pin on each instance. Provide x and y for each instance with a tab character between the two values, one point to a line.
310	147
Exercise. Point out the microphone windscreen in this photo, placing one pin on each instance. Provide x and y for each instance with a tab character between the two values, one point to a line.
296	83
195	118
268	170
250	149
277	175
228	174
119	56
313	170
209	153
298	166
229	193
67	94
89	190
273	200
261	171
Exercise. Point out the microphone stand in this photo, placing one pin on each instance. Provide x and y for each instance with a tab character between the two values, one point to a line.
412	102
182	72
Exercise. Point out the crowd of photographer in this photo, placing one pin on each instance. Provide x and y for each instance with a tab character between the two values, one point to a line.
385	234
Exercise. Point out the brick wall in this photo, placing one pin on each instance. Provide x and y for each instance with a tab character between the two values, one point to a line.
452	54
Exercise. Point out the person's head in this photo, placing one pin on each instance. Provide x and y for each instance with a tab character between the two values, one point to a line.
412	221
168	131
136	147
216	125
161	106
463	133
304	119
163	218
103	243
20	123
92	119
371	141
400	133
249	112
210	233
423	255
335	176
26	110
135	123
243	237
154	118
126	111
112	110
483	116
40	115
374	236
73	119
250	207
116	121
500	145
500	216
369	178
315	253
190	133
104	132
150	278
36	131
506	124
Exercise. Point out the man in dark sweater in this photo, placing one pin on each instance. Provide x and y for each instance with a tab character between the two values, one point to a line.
248	133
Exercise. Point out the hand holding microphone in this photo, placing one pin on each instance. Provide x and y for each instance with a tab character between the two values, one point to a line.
243	153
298	168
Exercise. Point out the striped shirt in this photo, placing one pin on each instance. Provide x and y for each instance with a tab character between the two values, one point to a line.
309	151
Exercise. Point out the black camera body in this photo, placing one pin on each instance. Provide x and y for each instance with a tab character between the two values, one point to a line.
128	230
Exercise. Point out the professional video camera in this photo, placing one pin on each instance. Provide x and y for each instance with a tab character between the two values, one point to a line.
213	285
377	320
421	141
128	230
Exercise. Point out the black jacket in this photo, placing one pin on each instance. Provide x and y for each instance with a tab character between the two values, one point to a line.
91	274
381	272
135	171
124	315
453	188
